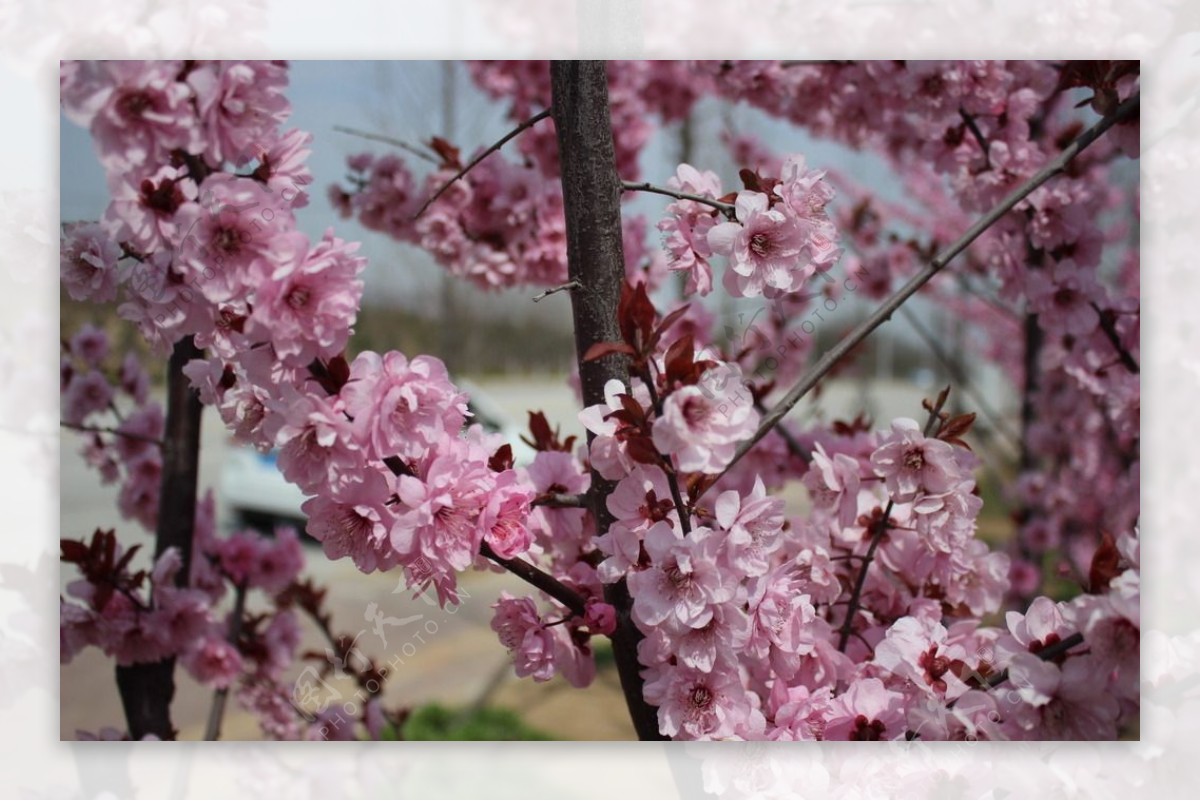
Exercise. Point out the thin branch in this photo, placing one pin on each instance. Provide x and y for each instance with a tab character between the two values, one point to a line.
884	313
994	417
1046	654
1110	331
788	64
793	445
978	134
538	578
518	567
560	288
111	430
685	521
400	143
728	209
881	528
217	712
529	123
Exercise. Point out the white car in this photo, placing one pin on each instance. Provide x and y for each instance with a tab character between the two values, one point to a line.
256	494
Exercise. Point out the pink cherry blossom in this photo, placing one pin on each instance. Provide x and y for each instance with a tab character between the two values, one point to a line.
912	465
686	227
144	212
240	105
401	407
308	302
505	517
607	453
1063	298
355	524
834	483
213	661
754	525
866	711
694	705
522	632
230	236
702	425
142	112
684	578
284	168
764	248
88	264
86	394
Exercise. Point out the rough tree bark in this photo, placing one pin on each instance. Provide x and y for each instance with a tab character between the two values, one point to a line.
148	688
592	201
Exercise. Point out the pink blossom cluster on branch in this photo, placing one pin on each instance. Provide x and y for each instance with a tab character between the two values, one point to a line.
858	619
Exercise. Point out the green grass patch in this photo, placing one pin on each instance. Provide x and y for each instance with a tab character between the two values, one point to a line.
437	722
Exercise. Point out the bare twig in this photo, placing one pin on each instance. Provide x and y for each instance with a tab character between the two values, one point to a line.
518	567
973	127
542	580
1110	331
685	521
793	445
728	209
881	527
400	143
110	430
885	311
217	712
999	424
529	123
1046	654
560	288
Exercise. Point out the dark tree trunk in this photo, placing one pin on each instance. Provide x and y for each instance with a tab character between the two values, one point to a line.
148	688
592	200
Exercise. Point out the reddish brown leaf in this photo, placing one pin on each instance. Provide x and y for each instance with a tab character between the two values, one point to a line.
339	371
641	449
502	459
544	438
955	428
447	152
635	316
750	180
666	323
1106	565
679	360
72	551
634	410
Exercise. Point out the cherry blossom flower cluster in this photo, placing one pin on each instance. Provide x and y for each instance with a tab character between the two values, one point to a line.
639	91
200	236
988	126
137	616
498	226
199	240
779	237
120	424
